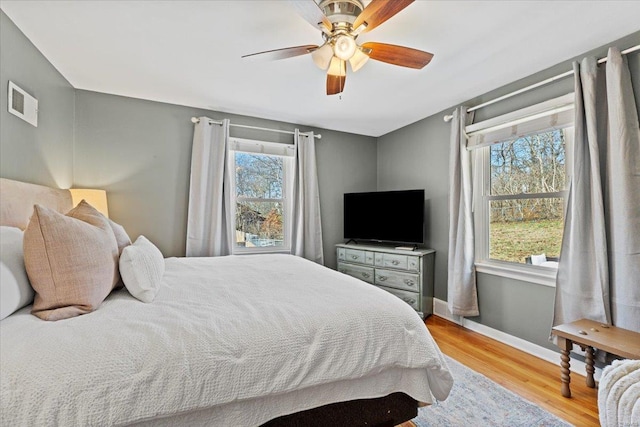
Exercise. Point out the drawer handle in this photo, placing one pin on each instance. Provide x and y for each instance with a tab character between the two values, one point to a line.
366	275
382	278
409	300
354	257
395	262
409	282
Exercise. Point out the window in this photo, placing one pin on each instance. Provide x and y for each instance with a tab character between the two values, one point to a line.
525	198
260	192
520	188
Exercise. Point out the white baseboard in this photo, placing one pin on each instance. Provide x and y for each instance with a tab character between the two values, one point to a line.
440	309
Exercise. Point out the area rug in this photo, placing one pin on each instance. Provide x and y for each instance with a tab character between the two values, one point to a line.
477	401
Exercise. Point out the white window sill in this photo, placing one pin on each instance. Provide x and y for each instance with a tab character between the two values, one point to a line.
527	273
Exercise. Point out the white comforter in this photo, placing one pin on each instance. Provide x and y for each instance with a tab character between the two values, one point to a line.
221	331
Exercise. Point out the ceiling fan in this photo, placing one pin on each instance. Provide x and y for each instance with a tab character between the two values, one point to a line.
341	21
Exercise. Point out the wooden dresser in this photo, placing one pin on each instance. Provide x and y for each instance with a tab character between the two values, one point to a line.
404	273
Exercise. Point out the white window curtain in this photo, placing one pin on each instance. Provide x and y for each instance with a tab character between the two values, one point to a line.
599	269
462	295
209	223
307	227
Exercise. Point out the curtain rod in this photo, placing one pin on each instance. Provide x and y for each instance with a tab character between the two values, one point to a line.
448	117
217	122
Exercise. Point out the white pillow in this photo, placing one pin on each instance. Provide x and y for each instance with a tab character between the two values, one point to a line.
141	268
538	259
15	289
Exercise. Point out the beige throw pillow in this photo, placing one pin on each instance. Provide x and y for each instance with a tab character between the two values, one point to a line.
122	237
71	260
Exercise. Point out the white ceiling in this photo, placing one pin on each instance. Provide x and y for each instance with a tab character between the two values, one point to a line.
188	53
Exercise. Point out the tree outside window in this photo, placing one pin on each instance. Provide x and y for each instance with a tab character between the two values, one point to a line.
526	196
259	187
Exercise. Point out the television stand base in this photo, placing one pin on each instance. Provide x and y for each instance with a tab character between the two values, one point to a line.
351	240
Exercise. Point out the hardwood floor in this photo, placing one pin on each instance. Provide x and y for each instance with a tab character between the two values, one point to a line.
532	378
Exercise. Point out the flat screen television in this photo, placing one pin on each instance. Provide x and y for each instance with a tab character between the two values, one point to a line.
385	216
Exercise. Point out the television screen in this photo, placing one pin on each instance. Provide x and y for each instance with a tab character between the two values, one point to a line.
385	216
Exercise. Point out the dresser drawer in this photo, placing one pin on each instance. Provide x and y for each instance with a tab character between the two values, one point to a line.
358	256
413	263
411	298
391	261
398	280
358	271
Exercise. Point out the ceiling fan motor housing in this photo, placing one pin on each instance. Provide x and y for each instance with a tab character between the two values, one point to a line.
341	11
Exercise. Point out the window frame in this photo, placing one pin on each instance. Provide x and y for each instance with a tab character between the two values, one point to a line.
481	176
271	149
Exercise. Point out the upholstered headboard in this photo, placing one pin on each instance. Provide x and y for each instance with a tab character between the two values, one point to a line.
17	200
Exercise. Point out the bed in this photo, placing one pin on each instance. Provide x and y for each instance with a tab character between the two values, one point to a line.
240	340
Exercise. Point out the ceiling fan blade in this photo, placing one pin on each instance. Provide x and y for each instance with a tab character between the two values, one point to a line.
336	76
286	52
335	84
312	13
378	11
398	55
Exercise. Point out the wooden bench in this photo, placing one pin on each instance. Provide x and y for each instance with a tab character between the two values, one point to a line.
589	334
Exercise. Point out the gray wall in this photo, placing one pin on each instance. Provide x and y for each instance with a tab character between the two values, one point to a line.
140	152
42	155
416	156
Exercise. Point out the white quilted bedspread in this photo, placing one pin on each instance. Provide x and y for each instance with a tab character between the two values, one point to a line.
221	330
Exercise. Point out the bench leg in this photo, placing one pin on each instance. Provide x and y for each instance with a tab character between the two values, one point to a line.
590	369
565	347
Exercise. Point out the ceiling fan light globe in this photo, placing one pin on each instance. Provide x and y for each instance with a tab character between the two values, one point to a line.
337	68
358	59
322	56
344	47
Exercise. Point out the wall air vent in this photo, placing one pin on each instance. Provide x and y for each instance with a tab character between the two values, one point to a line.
22	104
